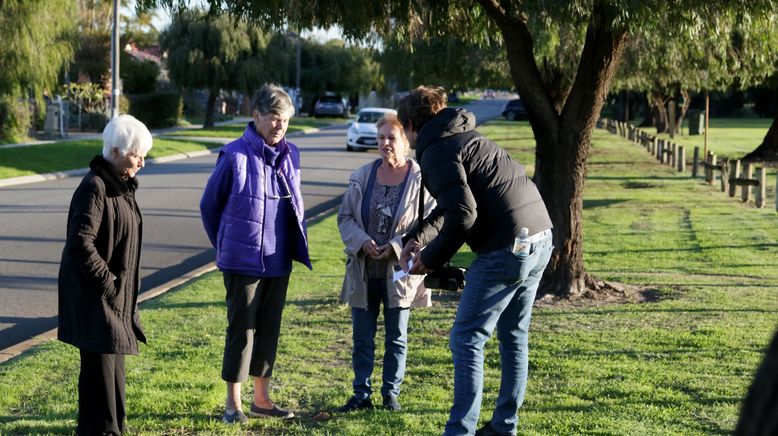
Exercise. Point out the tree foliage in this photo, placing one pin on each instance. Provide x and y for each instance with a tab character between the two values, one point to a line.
562	56
733	49
214	53
38	40
458	64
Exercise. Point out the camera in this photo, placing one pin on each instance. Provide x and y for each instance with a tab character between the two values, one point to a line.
446	278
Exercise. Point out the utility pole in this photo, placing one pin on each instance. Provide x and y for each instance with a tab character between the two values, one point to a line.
116	90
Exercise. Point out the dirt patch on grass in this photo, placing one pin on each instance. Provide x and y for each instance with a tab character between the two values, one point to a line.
613	293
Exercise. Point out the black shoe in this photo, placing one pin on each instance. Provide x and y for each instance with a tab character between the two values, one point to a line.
355	403
488	430
237	417
391	403
274	412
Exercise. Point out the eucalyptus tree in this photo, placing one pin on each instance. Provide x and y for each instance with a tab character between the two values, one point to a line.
39	37
457	64
563	99
734	50
216	53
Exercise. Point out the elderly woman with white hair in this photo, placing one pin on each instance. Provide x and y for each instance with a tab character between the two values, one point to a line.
98	275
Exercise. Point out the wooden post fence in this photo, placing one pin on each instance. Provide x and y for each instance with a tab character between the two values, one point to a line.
695	162
734	174
748	172
681	159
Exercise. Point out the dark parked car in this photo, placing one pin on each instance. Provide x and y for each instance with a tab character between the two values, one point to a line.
514	110
331	106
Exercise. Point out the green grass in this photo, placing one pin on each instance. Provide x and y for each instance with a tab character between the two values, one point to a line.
68	155
727	137
679	365
235	130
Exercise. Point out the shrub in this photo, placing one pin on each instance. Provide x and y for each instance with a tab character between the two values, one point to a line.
15	119
138	77
156	110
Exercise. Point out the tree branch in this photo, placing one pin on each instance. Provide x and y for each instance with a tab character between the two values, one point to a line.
524	69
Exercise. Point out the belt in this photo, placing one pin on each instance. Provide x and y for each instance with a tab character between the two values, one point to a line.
538	236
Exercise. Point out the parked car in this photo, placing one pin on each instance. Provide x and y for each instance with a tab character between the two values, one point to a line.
489	93
362	133
514	110
331	106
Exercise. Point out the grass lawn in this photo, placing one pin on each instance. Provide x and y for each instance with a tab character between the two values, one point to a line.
235	130
678	365
68	155
727	137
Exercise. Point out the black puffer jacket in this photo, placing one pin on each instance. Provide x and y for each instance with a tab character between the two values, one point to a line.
98	275
483	196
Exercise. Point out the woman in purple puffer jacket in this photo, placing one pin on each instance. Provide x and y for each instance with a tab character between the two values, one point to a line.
252	210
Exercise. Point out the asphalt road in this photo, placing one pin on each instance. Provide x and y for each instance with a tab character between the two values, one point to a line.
33	218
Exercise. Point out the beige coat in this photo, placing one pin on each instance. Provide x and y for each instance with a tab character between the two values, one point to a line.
408	292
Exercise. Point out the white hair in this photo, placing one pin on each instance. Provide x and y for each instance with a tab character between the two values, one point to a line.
126	134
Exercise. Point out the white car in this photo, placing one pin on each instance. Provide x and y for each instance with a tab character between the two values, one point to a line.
362	133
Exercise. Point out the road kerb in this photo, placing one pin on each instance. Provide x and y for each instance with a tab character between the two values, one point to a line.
18	349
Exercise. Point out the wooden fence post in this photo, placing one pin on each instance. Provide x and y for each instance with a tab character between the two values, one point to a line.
776	191
681	159
724	175
748	173
734	173
674	155
710	160
695	161
761	190
652	145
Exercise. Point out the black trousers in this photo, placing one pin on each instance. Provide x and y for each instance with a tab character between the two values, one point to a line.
101	400
254	307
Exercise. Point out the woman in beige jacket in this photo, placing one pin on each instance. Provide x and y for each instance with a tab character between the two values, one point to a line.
379	207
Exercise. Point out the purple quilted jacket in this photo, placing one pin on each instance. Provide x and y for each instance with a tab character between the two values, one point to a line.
233	205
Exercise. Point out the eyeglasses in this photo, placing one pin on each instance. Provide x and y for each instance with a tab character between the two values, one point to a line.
277	188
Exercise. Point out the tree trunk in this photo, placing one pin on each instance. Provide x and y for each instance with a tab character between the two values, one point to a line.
682	109
659	110
768	150
760	407
563	138
210	107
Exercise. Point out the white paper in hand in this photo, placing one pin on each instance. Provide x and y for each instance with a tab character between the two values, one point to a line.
399	274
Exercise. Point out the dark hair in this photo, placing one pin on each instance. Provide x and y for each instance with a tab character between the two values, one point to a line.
421	105
272	99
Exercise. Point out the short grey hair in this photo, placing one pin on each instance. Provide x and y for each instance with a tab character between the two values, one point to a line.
272	99
126	134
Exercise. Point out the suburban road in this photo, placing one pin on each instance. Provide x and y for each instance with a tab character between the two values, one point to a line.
33	219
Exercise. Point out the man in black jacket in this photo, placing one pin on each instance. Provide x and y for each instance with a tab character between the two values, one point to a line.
484	199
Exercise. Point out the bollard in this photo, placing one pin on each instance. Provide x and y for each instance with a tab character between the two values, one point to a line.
734	173
695	162
748	173
761	191
681	159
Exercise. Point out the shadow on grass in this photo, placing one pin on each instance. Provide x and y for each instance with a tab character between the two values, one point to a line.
591	204
25	425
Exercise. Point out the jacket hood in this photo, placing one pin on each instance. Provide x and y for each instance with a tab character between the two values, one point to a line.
448	122
114	184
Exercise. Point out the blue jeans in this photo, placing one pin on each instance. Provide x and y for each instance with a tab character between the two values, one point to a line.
364	324
499	291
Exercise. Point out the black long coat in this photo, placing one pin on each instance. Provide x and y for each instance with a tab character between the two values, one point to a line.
98	275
